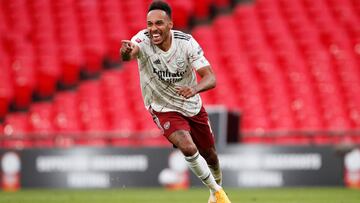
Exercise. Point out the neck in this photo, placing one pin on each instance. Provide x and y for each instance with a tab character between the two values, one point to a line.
165	46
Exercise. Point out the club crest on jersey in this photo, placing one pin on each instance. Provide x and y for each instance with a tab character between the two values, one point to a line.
180	63
167	125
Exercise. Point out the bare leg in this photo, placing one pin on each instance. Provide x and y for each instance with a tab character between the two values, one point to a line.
212	160
182	139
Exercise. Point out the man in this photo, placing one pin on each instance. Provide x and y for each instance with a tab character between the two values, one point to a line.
167	59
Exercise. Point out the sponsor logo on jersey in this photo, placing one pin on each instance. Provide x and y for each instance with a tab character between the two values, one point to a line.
167	76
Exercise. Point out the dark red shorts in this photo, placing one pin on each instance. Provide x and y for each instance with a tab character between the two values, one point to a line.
198	126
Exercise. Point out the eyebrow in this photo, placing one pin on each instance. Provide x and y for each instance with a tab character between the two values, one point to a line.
149	21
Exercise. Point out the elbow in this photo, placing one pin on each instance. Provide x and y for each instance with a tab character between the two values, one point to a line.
213	83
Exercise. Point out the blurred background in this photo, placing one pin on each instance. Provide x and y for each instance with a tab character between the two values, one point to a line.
288	76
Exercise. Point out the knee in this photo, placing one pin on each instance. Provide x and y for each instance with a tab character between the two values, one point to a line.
185	143
189	150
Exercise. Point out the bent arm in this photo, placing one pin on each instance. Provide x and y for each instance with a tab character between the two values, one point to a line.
207	81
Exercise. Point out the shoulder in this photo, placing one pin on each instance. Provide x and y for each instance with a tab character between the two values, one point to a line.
141	36
142	33
181	36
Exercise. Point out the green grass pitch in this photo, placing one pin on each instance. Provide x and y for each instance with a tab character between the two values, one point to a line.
194	195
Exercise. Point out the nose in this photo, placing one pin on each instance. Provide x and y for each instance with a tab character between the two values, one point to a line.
153	28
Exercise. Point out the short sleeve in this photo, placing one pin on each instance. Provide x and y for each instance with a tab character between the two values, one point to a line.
140	39
196	55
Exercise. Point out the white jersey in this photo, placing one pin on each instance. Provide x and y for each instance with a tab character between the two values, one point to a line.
160	72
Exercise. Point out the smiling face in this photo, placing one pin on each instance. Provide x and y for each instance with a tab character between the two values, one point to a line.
159	25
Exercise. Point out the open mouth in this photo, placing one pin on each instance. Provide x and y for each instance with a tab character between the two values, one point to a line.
156	37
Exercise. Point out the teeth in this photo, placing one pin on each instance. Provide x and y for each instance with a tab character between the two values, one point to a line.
156	35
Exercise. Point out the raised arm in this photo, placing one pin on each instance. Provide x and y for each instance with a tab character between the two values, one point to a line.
128	50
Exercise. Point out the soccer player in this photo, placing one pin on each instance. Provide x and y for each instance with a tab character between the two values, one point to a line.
167	61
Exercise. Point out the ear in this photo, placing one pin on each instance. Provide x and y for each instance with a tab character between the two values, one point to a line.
171	24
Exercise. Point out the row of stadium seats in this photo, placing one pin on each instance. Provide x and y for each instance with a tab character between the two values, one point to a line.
90	112
289	72
44	42
288	65
108	111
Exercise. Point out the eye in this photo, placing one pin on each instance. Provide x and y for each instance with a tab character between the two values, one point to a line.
159	22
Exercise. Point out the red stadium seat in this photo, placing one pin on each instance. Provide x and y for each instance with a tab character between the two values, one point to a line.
291	9
137	15
41	118
16	131
182	12
221	4
6	86
4	104
202	9
92	35
18	17
48	75
205	36
22	61
66	113
91	107
3	24
70	47
71	61
124	123
23	86
121	118
111	19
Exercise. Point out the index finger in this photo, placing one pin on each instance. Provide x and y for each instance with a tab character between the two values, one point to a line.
126	42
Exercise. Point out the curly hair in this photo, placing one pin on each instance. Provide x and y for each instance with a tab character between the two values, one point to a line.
160	5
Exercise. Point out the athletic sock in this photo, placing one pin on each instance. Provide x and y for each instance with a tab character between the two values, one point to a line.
216	172
200	168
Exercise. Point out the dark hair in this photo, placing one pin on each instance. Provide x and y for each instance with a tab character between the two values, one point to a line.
160	5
